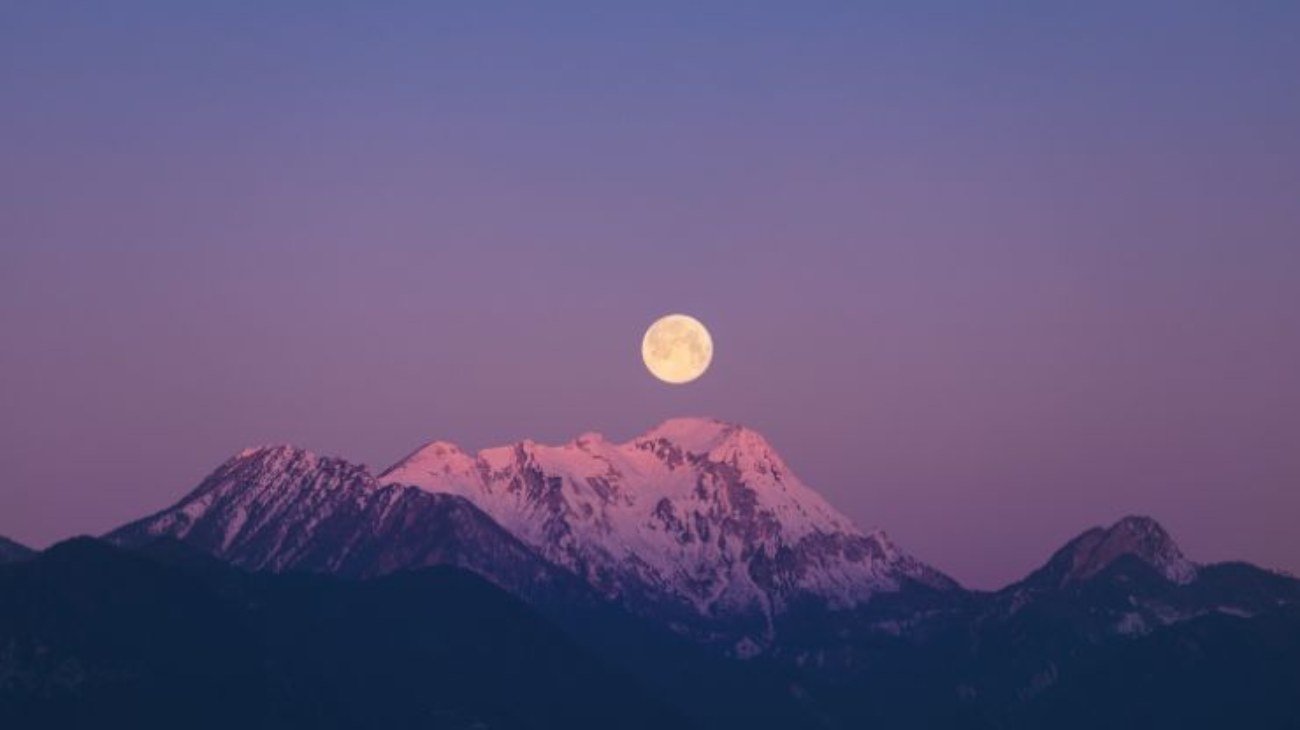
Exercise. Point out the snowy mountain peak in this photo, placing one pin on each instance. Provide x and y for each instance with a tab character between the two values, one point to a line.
588	440
267	451
1140	537
241	503
433	462
720	442
698	513
698	520
284	508
270	457
696	435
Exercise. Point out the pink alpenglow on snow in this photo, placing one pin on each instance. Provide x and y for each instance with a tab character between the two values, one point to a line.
684	511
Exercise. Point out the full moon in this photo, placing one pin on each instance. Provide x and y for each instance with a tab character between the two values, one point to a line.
677	349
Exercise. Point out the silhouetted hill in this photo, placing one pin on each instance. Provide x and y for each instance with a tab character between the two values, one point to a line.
97	637
1216	671
11	551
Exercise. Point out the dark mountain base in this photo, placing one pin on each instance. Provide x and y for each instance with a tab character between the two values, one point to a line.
91	636
1213	672
165	637
12	552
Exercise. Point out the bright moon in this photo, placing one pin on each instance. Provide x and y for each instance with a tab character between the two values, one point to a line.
677	349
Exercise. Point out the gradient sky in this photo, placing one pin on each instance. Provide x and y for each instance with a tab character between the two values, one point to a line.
984	277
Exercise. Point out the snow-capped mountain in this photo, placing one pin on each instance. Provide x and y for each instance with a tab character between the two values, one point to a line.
696	522
697	514
281	508
700	527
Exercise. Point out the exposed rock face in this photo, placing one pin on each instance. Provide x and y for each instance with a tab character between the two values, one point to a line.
1131	579
697	522
1095	550
698	515
281	508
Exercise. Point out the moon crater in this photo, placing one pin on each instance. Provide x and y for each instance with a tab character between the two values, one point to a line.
677	349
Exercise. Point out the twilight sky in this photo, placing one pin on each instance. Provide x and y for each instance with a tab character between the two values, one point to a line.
985	278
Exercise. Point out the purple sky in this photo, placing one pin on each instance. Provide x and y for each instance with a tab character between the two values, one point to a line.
984	278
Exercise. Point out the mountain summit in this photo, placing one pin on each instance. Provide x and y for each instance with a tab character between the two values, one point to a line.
698	515
1095	550
696	522
699	528
282	508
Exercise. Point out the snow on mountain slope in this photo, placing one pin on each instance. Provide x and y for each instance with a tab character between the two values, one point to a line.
696	513
282	508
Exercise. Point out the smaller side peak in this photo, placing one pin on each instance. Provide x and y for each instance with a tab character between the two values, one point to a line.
1139	525
1142	536
432	459
270	451
266	461
269	464
1096	549
270	457
1147	539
